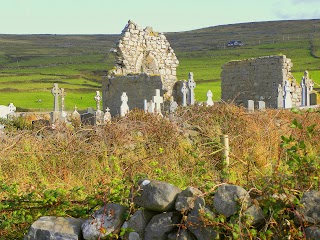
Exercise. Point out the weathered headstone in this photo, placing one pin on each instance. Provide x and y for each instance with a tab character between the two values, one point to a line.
87	118
209	98
107	116
250	106
56	92
98	114
151	107
280	97
158	100
287	95
313	99
184	91
173	106
191	86
261	105
124	108
75	117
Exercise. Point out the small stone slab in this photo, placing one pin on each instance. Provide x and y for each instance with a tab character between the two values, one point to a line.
49	227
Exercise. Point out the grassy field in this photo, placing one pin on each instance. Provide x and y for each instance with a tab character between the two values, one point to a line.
30	64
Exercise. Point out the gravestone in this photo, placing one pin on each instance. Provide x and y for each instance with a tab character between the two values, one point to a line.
313	99
63	112
173	106
184	91
261	105
287	95
107	116
209	98
191	86
124	108
250	106
88	118
158	100
151	107
75	116
56	92
99	115
280	97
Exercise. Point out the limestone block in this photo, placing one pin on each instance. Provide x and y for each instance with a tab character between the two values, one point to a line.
55	228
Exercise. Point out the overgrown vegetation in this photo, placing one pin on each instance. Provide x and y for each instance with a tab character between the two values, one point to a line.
73	171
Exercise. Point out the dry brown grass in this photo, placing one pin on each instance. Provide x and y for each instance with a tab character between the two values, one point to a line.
182	151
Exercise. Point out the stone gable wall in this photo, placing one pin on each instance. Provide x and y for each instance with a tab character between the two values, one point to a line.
137	86
145	51
256	79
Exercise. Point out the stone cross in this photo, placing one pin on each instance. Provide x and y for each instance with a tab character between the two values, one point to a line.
184	91
157	99
191	86
62	95
124	108
97	98
287	95
209	98
56	91
280	97
107	116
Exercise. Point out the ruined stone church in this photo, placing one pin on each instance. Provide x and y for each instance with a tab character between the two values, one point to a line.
144	61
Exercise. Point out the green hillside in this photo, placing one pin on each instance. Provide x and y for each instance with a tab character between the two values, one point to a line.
30	64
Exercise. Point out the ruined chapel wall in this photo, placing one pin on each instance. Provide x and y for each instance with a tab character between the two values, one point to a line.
255	79
142	50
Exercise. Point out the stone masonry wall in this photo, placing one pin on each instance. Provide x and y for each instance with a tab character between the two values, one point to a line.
138	87
255	79
145	51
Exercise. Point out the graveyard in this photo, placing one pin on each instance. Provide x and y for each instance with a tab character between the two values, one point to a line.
97	131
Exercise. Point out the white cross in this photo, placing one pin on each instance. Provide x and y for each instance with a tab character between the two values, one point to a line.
157	99
97	98
192	86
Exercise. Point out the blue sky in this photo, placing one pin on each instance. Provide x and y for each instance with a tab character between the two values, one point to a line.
110	16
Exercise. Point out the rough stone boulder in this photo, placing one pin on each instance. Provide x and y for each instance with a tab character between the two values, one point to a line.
55	228
106	220
156	195
313	233
185	199
138	222
182	234
230	198
197	222
310	209
161	225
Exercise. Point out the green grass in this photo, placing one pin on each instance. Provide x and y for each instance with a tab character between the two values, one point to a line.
29	64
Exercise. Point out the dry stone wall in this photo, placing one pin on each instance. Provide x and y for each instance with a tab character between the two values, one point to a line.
145	51
257	79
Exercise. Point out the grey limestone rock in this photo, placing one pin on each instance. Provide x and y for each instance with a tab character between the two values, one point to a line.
182	234
313	233
196	223
156	195
49	227
229	198
161	225
310	209
138	222
106	220
185	200
255	213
